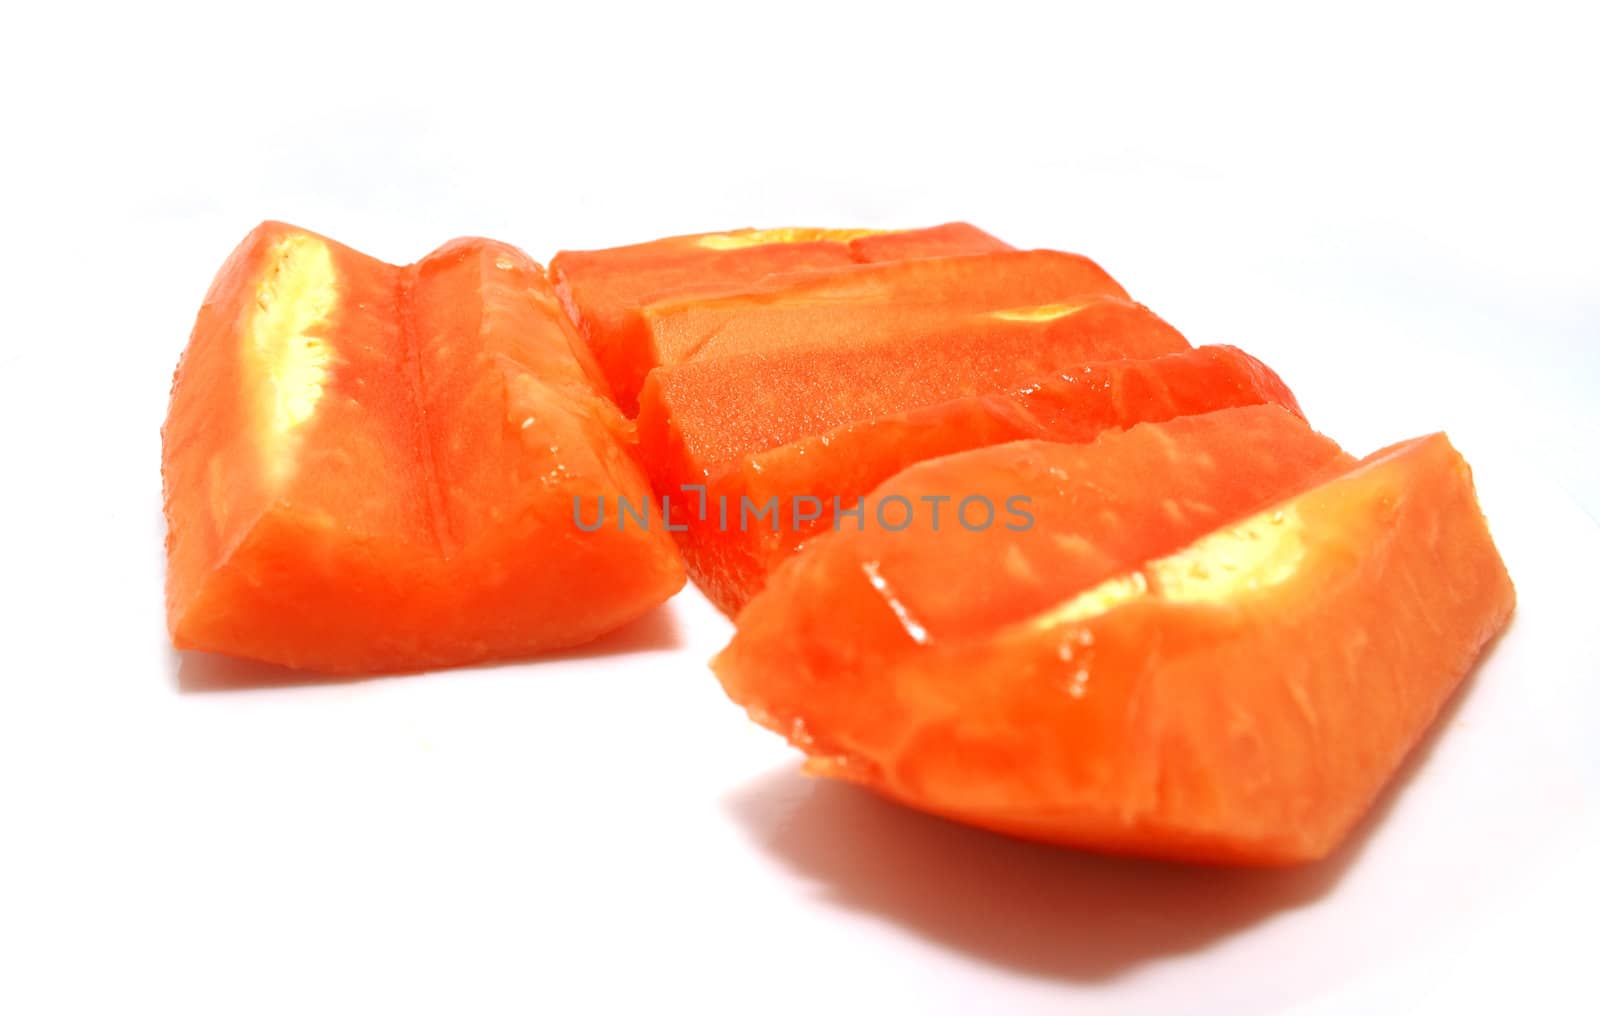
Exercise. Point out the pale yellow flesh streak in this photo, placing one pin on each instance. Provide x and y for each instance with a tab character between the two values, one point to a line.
761	237
1043	312
296	295
1260	552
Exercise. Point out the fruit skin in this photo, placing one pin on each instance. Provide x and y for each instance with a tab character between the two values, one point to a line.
1074	402
603	291
1242	699
371	468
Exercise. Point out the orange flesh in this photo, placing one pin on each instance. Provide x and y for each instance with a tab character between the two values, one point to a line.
695	416
1075	404
603	290
370	467
1215	638
853	306
1234	681
947	240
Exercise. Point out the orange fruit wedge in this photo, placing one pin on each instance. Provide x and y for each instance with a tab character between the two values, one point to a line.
850	307
1215	639
370	467
605	290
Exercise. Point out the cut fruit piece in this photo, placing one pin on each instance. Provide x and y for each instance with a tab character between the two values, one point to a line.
1093	509
370	467
809	479
1145	670
603	290
948	240
851	306
698	415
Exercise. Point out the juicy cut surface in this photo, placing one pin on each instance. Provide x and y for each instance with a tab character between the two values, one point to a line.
813	478
1217	642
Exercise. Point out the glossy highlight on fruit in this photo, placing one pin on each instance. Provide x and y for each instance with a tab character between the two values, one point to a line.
370	467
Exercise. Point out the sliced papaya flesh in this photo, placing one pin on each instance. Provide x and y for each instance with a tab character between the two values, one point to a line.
1237	695
805	480
696	416
853	306
947	240
370	467
1091	508
809	479
603	290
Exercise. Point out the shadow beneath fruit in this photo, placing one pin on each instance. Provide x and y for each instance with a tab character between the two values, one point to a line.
208	672
1039	910
197	672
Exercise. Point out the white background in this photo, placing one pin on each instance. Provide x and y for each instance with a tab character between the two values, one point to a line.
1394	204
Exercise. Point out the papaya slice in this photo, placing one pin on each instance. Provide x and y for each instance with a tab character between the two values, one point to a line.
697	415
1217	640
851	306
947	240
604	290
370	467
812	484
